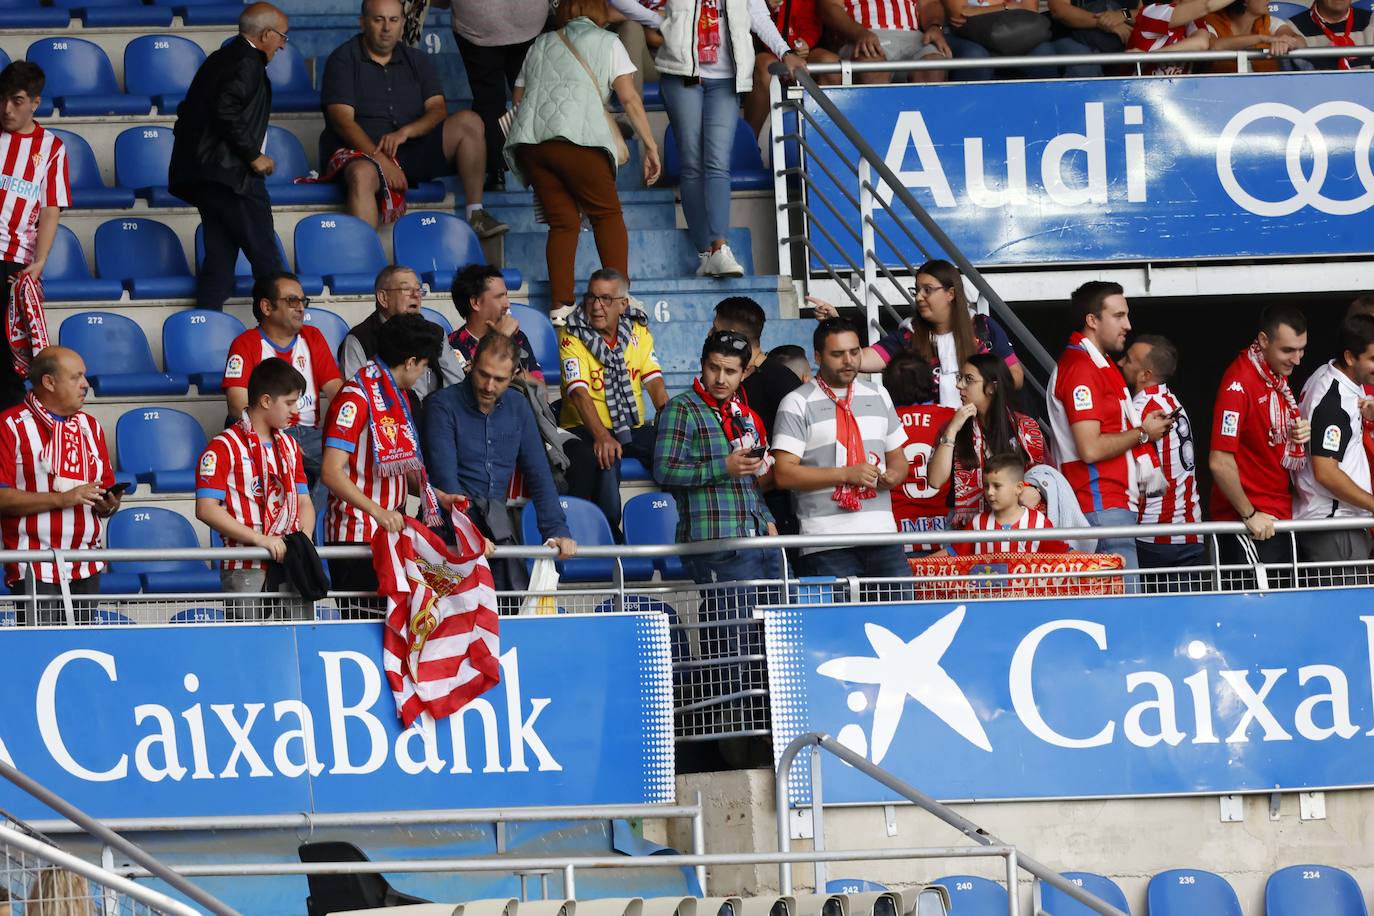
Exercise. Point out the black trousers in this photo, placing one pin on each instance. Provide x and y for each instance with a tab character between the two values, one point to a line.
355	574
233	222
11	385
52	613
491	71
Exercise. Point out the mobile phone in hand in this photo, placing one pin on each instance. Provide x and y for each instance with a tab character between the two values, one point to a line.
758	451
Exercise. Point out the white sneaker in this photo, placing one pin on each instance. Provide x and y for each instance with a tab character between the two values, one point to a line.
558	317
722	263
703	257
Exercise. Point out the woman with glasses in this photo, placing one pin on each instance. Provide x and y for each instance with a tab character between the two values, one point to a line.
984	425
943	331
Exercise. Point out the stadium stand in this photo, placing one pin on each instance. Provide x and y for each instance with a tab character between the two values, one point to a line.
195	343
117	13
207	12
141	155
588	526
243	272
1049	899
438	318
1183	891
28	14
292	89
436	246
158	528
160	447
970	895
747	171
331	325
83	174
146	256
66	276
541	334
118	360
651	518
161	67
80	80
1306	890
342	249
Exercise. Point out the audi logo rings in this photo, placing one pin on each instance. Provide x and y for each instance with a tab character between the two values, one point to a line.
1306	131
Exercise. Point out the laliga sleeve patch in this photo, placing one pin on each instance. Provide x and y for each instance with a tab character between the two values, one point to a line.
1230	423
570	368
1331	439
208	463
1082	398
347	414
234	368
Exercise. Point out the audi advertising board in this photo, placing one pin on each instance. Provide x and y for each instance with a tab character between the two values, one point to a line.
1182	168
1067	698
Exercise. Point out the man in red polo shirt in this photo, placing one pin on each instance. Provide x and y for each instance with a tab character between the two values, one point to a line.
1258	437
1103	444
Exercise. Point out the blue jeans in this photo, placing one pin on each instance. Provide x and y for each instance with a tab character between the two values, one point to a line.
731	604
311	441
1074	46
1165	556
1125	547
640	447
703	118
963	49
885	562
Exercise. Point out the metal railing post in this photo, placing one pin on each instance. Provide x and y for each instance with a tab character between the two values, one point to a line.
818	818
875	329
699	842
569	882
1013	876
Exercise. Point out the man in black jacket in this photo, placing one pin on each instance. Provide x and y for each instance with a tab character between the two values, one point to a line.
217	160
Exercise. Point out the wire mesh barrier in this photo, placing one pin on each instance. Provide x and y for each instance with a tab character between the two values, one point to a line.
720	672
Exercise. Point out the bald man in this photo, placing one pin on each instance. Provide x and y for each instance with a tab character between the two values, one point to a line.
56	482
218	165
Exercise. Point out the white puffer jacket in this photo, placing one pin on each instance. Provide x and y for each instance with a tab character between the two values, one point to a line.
677	20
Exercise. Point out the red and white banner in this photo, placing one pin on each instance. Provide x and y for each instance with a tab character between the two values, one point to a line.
441	645
946	577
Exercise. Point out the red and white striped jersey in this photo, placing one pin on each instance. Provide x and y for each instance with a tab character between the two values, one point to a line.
1030	520
885	14
309	353
1179	503
346	429
33	175
1152	31
227	472
22	439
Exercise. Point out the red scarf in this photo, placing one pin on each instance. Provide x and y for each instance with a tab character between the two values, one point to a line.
1283	408
708	32
280	502
69	456
968	481
1337	41
742	427
395	443
26	327
848	437
392	204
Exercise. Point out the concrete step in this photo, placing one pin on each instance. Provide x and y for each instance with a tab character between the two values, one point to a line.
654	253
652	208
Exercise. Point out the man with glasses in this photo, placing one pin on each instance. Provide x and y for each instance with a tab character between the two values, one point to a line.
398	292
218	165
279	306
608	362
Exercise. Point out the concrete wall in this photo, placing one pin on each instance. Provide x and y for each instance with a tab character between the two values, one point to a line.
1127	840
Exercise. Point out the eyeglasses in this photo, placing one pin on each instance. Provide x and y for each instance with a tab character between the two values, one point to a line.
284	38
968	380
606	300
404	290
929	290
293	301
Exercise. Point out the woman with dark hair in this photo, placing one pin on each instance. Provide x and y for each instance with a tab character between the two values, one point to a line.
985	388
943	331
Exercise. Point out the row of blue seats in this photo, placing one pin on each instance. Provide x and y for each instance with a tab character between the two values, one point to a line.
195	344
58	14
80	80
334	250
1299	890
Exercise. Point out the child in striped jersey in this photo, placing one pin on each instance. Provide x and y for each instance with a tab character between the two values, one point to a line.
1003	483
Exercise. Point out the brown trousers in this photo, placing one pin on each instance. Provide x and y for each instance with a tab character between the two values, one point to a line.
569	180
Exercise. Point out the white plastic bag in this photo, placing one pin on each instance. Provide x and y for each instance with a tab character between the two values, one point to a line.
543	578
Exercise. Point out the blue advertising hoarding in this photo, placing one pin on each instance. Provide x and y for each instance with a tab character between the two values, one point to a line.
1081	697
215	720
1059	172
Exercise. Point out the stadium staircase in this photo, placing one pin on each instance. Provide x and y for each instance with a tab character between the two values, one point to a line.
121	189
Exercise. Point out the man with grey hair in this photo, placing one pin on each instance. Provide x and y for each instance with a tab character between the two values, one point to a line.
398	292
218	165
607	356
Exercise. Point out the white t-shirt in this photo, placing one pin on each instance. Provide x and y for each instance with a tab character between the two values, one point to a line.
948	372
620	64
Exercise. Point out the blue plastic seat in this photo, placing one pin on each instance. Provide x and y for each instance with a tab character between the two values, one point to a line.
1056	902
853	886
1285	10
243	271
106	13
290	163
651	518
589	528
141	157
543	340
436	246
1313	890
160	446
198	615
207	12
9	619
1184	891
292	89
973	896
161	67
331	325
67	278
154	528
80	79
195	343
83	176
342	249
747	171
648	604
146	256
118	583
28	14
104	617
438	318
118	360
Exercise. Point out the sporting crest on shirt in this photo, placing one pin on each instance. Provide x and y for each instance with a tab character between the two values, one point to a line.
38	158
347	414
1230	422
300	361
234	368
1082	398
390	429
1331	439
208	463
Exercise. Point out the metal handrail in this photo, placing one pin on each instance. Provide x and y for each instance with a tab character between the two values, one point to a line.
968	828
113	840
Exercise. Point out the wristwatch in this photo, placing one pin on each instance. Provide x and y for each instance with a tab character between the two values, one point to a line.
1144	436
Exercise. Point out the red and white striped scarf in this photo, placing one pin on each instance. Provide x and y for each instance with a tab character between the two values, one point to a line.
69	455
1283	408
26	327
391	203
279	501
441	647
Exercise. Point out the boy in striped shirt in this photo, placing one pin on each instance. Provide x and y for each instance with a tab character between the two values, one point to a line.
1003	481
250	484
